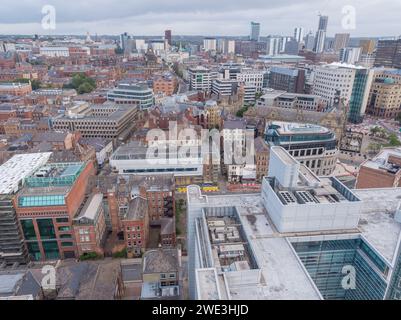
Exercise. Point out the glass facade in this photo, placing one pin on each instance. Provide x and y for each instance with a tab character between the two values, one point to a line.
394	291
51	250
58	175
46	229
325	260
358	93
28	229
41	201
34	251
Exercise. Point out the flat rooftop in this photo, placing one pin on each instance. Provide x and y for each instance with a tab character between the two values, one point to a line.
283	275
381	160
138	151
298	128
377	223
19	167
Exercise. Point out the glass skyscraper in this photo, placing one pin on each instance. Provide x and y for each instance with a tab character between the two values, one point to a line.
255	31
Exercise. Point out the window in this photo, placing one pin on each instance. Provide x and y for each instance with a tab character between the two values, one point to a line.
83	231
66	236
62	220
162	276
67	244
85	239
64	229
46	229
172	275
51	250
34	251
28	229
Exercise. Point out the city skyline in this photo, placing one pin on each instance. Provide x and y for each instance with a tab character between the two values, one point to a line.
200	17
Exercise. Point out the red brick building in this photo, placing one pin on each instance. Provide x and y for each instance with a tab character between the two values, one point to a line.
384	171
165	84
90	226
47	205
135	225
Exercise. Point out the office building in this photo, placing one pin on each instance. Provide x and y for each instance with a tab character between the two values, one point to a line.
293	241
166	84
229	47
383	171
46	206
291	47
294	193
250	49
12	176
385	94
351	82
255	31
309	41
225	87
253	77
137	94
201	78
294	101
288	79
109	121
124	40
249	91
388	54
312	145
210	44
226	46
168	37
341	41
350	55
321	34
274	45
136	158
299	34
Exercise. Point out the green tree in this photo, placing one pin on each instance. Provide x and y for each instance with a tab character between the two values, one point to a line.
85	88
393	140
241	112
81	83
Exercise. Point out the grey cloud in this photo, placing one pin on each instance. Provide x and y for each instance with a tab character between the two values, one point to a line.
220	17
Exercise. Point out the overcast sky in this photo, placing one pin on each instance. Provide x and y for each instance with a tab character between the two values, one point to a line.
198	17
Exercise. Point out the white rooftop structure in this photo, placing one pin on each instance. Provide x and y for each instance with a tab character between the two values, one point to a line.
280	274
263	261
19	167
298	128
